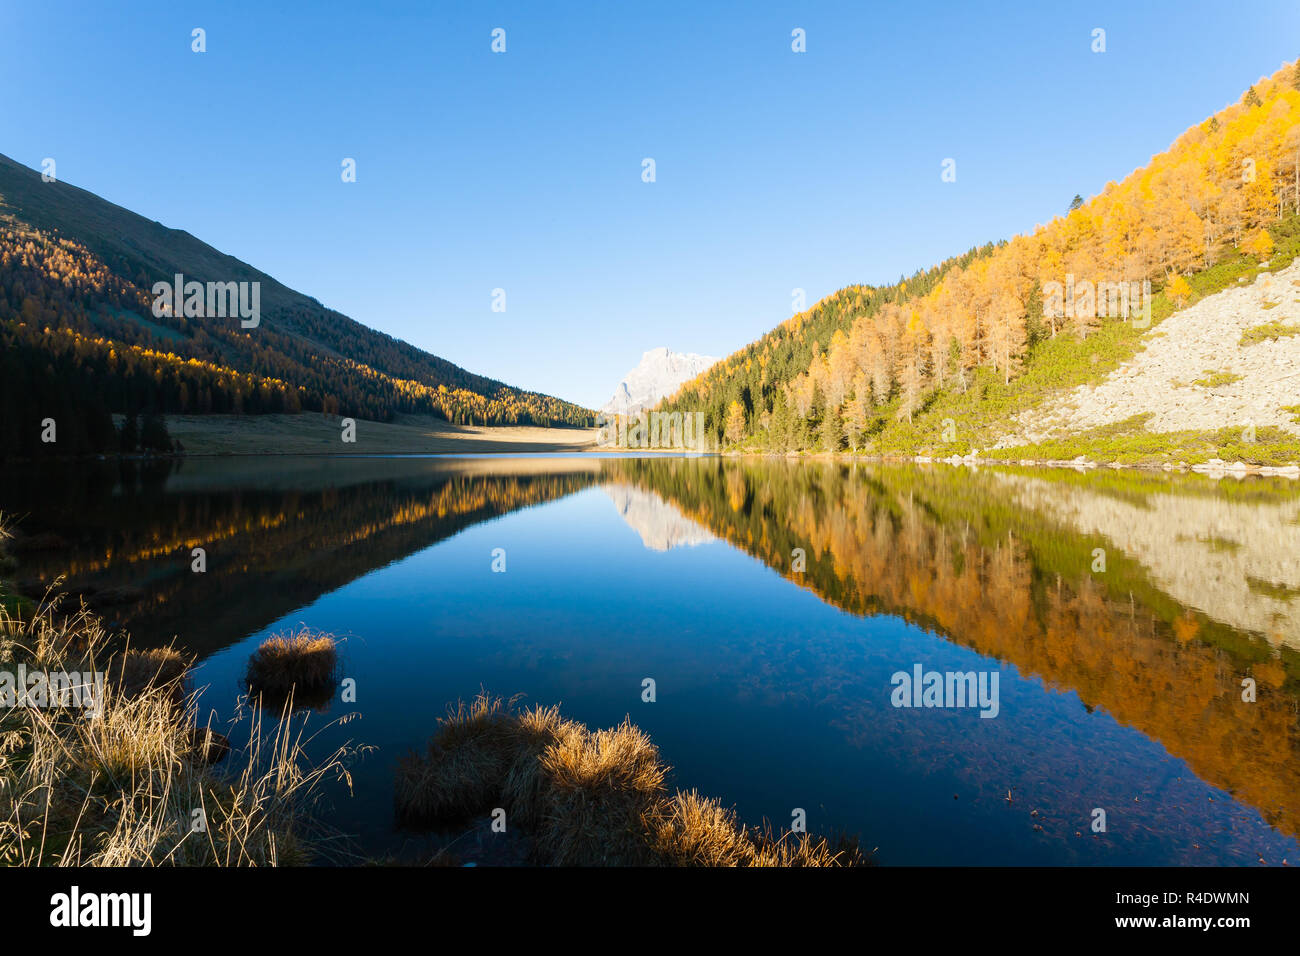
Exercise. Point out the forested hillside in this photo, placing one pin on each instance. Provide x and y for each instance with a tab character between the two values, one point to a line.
976	338
79	339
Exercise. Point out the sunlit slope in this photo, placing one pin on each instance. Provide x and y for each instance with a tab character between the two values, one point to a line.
939	363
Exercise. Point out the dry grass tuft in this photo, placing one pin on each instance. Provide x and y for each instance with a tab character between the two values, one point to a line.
600	789
134	673
482	751
587	798
693	830
300	667
127	785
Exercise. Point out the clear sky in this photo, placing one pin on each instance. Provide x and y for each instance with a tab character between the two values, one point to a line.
522	171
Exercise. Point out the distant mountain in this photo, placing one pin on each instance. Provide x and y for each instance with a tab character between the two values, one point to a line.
80	333
658	375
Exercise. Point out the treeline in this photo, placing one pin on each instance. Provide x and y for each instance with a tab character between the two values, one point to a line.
80	342
818	380
37	387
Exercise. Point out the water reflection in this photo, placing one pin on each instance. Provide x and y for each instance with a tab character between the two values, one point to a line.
1143	662
275	535
1001	562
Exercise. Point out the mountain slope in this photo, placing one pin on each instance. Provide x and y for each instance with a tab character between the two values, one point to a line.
76	305
942	363
1234	357
660	372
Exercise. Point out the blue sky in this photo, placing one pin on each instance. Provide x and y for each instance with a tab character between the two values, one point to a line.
522	170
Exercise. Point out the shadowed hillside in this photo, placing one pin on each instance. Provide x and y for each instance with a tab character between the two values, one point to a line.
81	339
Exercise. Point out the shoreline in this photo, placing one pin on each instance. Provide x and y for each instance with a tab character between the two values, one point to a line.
1213	468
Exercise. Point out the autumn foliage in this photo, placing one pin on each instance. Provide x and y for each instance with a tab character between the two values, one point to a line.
815	381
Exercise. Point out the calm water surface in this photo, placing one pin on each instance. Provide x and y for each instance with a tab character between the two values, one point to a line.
1120	689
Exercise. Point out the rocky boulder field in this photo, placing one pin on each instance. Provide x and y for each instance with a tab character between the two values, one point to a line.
1215	364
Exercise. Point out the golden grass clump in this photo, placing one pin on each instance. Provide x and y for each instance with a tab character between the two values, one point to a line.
7	562
693	830
301	666
131	784
586	798
601	790
483	750
133	673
